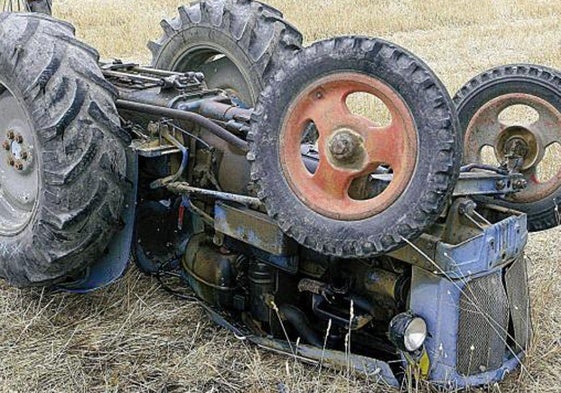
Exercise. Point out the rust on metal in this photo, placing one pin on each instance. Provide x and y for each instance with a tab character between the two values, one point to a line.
252	227
528	142
350	146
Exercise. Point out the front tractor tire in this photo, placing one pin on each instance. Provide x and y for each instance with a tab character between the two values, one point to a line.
346	205
63	164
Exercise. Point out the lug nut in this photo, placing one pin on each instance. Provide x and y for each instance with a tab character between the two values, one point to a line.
19	138
18	165
24	155
10	135
11	162
520	184
6	145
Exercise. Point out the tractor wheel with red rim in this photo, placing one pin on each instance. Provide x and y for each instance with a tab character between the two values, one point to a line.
355	147
511	117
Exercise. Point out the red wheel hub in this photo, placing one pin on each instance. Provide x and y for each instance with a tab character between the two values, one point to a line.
350	146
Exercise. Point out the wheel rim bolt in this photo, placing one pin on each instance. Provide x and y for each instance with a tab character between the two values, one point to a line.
19	138
10	135
6	145
24	155
11	162
18	165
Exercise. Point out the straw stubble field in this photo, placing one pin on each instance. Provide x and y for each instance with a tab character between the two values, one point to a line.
135	337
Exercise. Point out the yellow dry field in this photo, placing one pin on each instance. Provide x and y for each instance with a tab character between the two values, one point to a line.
134	337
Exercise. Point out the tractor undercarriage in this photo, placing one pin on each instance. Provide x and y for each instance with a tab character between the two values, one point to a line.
265	287
236	166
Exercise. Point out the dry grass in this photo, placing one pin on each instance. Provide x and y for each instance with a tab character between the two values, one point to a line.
134	337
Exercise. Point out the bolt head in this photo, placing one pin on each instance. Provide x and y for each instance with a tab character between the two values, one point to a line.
11	161
10	135
24	155
520	184
6	145
18	165
344	146
19	138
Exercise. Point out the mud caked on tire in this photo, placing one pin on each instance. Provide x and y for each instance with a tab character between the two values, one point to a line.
63	160
319	207
235	43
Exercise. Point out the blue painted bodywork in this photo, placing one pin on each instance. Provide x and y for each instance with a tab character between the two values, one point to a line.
437	301
499	243
435	296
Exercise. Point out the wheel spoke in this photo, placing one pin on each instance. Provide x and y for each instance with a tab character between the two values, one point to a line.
531	175
333	181
328	110
483	133
387	145
535	188
548	126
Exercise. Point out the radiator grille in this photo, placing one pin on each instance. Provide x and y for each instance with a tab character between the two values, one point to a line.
516	279
483	329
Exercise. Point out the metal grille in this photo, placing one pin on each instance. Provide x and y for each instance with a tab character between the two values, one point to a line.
483	329
516	279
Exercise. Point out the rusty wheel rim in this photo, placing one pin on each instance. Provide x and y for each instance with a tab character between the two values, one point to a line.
349	146
486	129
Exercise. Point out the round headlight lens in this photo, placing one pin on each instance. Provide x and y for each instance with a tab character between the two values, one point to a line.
415	334
408	332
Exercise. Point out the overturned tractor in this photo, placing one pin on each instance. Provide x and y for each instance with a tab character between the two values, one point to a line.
236	164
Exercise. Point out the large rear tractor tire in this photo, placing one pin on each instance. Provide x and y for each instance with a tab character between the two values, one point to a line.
235	43
63	164
375	184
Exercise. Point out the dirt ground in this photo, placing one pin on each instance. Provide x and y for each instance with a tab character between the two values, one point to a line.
134	337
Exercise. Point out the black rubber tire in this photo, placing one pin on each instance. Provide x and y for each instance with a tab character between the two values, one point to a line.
439	154
253	36
41	6
536	80
81	150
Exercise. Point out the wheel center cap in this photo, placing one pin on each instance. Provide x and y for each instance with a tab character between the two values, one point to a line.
18	155
520	147
346	146
16	150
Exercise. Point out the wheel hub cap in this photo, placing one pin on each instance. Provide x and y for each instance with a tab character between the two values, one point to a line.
346	146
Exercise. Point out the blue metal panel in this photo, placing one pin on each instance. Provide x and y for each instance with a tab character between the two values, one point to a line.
497	244
437	300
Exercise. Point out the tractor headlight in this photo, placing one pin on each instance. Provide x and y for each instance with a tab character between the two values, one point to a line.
408	332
